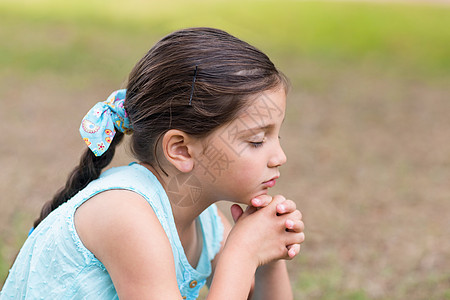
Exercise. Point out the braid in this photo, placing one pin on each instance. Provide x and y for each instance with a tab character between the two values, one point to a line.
89	169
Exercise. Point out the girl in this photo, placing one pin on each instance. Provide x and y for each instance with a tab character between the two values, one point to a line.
205	110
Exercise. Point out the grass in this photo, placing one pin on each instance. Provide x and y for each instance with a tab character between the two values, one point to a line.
70	36
366	132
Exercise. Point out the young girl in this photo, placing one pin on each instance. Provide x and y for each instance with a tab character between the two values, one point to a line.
205	110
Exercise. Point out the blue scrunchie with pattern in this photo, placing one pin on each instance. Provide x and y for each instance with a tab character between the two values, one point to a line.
98	127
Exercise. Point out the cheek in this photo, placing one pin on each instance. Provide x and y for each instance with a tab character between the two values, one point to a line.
246	170
243	168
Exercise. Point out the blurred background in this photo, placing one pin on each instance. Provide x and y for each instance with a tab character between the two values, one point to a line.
367	130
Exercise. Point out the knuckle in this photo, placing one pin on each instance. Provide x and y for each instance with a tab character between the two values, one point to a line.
297	214
301	237
301	225
291	204
279	198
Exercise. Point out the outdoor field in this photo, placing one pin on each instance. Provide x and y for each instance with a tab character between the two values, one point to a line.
367	129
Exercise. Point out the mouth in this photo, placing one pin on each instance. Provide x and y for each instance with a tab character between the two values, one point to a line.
271	182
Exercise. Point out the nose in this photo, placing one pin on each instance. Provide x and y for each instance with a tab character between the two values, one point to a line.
278	158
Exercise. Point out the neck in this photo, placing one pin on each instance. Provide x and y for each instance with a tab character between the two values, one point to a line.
186	198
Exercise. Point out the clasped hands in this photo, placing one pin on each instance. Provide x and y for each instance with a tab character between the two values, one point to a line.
285	211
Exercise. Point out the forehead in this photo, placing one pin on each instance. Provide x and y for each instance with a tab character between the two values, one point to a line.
267	108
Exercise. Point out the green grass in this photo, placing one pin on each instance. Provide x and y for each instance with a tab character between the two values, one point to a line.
4	265
10	246
71	37
325	280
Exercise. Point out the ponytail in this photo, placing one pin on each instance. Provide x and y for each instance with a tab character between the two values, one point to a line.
89	169
98	130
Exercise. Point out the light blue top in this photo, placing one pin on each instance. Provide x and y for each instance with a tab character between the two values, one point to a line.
54	264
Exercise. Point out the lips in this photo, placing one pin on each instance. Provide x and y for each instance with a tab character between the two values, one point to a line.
270	183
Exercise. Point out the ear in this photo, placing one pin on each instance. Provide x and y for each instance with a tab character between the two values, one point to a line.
178	149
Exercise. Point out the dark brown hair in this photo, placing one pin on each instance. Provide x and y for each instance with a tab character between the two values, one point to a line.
227	71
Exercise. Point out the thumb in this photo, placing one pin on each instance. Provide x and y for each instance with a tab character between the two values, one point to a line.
236	212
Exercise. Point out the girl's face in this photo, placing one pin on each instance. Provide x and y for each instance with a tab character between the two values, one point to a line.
241	158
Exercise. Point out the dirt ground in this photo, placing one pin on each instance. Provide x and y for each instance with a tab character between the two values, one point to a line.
368	164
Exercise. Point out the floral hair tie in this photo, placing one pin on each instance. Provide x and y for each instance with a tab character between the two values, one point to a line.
98	127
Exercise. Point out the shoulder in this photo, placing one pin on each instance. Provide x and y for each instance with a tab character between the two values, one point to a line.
121	229
113	209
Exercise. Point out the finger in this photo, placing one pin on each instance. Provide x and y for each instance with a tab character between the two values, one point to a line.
286	206
236	212
294	225
294	238
272	207
261	200
277	199
295	215
293	250
248	211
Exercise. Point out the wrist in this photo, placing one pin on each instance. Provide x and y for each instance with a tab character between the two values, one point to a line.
273	266
272	281
240	254
235	269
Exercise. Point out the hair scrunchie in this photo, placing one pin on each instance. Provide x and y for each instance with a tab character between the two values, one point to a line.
98	126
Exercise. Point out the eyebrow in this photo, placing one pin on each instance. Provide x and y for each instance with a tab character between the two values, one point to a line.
259	128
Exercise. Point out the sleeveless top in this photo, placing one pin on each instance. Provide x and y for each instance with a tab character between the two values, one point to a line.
54	264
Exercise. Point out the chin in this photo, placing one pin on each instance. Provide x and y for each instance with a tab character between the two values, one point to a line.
263	192
246	200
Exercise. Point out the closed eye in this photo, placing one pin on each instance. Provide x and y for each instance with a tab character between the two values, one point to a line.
256	144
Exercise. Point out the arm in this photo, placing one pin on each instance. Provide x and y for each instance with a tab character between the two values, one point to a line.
120	228
272	282
226	230
272	279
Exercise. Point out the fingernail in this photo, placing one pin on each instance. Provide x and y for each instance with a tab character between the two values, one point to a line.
291	253
289	224
281	208
256	201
